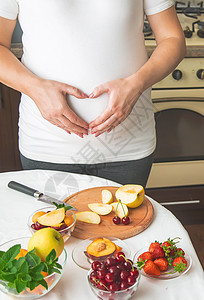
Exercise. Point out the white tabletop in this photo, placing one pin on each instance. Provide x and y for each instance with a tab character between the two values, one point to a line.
15	208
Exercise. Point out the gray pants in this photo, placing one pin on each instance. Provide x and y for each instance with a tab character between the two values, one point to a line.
123	172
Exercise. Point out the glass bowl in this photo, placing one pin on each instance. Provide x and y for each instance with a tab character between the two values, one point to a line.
164	275
118	295
65	232
39	291
80	257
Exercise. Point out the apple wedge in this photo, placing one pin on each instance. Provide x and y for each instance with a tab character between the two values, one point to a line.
88	217
122	210
53	218
107	197
131	194
100	208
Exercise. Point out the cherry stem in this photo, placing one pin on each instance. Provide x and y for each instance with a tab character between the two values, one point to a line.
116	209
98	281
126	259
122	207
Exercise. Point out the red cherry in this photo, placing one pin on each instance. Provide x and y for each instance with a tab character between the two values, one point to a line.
116	220
131	280
120	257
33	226
113	287
120	267
102	285
109	277
101	273
128	265
114	270
109	262
124	285
134	273
125	220
95	265
93	278
123	275
38	226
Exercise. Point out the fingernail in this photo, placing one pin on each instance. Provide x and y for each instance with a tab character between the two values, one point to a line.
91	95
85	95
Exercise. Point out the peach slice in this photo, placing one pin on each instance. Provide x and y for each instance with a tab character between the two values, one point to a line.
100	208
22	253
88	217
53	218
107	197
37	215
68	220
122	210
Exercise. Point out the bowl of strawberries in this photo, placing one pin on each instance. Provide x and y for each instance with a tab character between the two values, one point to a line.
163	260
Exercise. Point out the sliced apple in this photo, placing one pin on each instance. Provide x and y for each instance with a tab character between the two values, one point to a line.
131	194
88	217
107	197
53	218
122	210
100	208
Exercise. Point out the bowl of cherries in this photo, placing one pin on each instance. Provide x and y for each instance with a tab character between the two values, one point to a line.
115	278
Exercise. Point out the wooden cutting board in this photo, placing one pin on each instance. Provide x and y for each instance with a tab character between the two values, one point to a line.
140	217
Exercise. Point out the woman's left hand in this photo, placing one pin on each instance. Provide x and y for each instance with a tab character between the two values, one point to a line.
122	96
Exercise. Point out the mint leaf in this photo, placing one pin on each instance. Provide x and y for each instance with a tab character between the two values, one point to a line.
43	283
20	285
2	264
1	253
51	257
62	205
32	259
11	253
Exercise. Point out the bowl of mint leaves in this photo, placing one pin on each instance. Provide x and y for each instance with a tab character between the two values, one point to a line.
23	274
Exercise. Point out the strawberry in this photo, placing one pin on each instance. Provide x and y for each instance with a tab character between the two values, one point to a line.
158	252
153	246
162	263
180	252
145	256
179	264
151	268
168	248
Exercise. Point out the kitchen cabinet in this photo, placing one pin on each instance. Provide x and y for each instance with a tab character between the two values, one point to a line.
9	153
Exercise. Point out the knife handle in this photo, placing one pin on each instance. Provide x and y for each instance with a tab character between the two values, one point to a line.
22	188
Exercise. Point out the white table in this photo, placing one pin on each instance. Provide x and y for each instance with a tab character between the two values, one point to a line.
15	208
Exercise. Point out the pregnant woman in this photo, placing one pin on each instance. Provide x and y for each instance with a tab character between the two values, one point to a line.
86	80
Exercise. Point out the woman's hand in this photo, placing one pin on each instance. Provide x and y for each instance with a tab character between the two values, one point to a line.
50	98
123	94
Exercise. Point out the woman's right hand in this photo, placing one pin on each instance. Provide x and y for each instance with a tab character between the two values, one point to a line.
50	98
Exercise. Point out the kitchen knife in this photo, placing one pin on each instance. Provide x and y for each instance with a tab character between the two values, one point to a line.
35	193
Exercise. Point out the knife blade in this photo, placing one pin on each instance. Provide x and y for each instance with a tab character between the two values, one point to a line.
36	194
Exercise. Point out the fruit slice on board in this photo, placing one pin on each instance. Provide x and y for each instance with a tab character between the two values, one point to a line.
100	208
122	209
107	197
53	218
88	217
131	194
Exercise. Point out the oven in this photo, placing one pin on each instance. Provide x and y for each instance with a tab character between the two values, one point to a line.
178	102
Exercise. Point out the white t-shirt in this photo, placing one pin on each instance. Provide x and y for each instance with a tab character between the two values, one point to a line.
84	43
